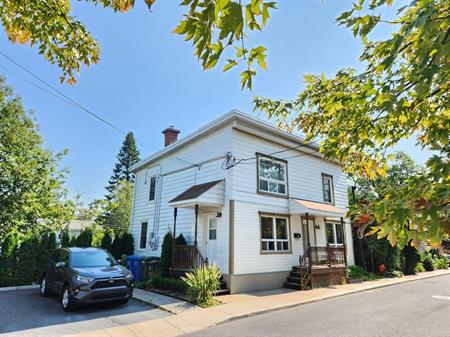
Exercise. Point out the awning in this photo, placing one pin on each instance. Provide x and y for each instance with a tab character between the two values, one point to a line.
207	194
301	206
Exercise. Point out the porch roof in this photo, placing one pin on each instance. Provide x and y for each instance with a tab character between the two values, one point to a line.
301	206
207	194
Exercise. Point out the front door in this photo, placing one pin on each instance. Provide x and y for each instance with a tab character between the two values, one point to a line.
211	238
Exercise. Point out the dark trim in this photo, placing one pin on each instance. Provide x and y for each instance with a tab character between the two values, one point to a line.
332	189
266	193
231	239
283	252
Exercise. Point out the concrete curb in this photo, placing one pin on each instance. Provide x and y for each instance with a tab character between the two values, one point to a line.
31	286
350	292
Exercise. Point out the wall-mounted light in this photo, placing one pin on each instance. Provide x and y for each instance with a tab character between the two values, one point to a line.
219	214
297	236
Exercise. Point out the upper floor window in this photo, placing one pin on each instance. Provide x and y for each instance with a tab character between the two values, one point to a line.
328	189
272	175
152	192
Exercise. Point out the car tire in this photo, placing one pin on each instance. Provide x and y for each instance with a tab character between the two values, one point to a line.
43	287
66	301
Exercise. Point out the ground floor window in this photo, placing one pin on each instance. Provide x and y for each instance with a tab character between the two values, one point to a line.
274	233
143	238
335	233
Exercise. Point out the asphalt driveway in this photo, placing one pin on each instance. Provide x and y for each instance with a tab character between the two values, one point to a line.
25	313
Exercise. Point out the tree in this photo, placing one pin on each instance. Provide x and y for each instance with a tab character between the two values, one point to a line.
85	238
65	239
117	212
8	259
128	155
31	185
403	92
127	244
116	249
166	254
106	241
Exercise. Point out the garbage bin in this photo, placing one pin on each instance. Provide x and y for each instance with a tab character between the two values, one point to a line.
134	264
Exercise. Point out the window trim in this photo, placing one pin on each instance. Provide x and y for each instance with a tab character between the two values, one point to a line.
272	194
150	189
289	240
330	177
140	236
334	223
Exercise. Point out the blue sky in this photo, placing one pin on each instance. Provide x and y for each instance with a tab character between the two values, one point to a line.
148	78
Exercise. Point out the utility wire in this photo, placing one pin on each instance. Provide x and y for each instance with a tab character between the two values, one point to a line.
71	101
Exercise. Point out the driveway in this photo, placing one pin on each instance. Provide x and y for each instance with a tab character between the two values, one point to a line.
25	313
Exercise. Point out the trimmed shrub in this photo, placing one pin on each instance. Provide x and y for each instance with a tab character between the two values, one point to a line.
202	284
441	262
427	262
358	273
166	254
180	240
85	238
107	241
167	283
412	258
116	248
73	241
30	261
65	239
8	259
393	259
127	244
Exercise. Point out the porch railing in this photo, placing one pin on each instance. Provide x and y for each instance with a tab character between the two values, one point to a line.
329	255
187	257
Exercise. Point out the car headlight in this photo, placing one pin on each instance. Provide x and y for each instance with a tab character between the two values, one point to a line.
129	276
85	279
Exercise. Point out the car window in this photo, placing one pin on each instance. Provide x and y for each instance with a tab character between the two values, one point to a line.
92	259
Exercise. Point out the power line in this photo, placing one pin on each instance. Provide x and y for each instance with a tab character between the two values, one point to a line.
71	101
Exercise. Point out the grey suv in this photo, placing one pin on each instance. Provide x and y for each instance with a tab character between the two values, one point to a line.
85	275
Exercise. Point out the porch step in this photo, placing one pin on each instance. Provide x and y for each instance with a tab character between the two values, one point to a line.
292	285
292	279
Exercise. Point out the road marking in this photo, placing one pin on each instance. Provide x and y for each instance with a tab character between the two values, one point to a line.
440	297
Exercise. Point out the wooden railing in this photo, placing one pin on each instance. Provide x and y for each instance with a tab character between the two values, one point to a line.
329	255
187	257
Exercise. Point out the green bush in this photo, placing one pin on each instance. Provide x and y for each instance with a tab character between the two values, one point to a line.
167	283
8	259
393	259
180	240
73	241
202	284
65	239
441	262
127	244
106	241
85	238
166	254
394	273
30	260
412	258
116	248
427	262
420	268
356	272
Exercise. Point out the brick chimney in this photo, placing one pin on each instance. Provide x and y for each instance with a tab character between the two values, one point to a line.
170	135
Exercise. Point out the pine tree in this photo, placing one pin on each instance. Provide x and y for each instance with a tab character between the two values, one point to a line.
128	155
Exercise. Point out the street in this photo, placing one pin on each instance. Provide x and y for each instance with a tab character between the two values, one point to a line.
418	308
26	313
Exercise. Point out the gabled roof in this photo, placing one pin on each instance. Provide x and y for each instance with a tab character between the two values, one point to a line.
195	191
232	116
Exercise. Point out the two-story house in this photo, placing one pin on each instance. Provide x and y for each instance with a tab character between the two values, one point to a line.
257	201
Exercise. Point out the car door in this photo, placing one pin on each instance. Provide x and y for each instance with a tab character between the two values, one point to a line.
60	272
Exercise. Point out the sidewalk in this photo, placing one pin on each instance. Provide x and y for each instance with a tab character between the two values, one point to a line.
163	302
242	305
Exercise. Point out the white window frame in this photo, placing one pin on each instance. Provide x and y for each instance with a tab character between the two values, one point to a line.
274	231
150	188
333	230
140	236
328	177
270	180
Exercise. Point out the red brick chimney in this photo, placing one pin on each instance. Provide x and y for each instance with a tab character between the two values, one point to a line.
170	135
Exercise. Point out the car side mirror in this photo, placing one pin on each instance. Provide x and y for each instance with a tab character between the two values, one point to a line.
60	264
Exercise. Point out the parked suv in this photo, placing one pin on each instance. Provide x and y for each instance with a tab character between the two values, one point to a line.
85	275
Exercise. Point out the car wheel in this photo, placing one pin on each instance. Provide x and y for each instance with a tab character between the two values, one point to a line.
66	301
43	288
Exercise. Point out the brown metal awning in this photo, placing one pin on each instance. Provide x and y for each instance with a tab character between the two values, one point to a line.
210	193
301	206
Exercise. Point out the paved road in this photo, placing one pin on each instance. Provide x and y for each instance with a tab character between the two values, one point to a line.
26	313
419	308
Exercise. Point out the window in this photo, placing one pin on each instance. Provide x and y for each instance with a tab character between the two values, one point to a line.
272	177
328	190
335	233
274	234
151	195
91	259
143	241
212	229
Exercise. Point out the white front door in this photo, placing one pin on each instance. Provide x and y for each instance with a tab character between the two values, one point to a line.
211	238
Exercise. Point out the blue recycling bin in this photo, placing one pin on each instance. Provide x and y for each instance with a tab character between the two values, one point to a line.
134	264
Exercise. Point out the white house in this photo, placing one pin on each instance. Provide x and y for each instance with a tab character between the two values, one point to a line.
257	201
